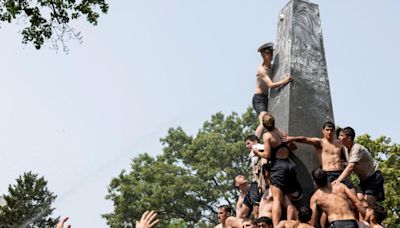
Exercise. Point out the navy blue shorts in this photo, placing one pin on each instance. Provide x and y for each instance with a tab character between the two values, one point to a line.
260	103
373	185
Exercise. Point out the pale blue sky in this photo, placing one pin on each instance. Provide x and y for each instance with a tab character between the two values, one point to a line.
78	119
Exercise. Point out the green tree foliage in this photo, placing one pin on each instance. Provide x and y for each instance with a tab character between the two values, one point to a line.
50	19
188	181
194	174
28	203
387	156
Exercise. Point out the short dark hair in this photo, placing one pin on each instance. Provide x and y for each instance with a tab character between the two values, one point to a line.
328	124
349	131
320	177
250	220
264	219
305	214
379	212
252	138
227	208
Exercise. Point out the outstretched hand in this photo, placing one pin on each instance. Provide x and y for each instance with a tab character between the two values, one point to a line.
147	220
286	139
60	224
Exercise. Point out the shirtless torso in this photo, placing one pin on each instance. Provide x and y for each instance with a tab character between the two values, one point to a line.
335	200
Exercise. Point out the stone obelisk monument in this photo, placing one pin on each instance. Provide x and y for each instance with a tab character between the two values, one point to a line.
305	104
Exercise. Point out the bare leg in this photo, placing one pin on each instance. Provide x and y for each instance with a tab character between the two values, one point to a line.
255	211
291	211
260	127
323	220
277	196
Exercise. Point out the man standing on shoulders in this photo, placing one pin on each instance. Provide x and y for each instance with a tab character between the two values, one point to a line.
335	200
264	83
283	174
361	162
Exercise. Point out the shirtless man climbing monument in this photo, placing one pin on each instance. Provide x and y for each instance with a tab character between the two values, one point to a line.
264	82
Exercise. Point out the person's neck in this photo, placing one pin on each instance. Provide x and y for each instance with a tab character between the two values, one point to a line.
267	65
329	139
327	188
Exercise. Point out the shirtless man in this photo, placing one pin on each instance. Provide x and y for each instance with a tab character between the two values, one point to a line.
224	211
283	175
332	152
335	200
304	216
264	82
375	216
233	222
248	197
361	162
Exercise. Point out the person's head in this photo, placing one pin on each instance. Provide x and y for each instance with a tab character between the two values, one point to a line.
240	182
305	214
268	122
377	213
248	223
224	211
264	222
346	135
250	141
328	130
320	177
267	51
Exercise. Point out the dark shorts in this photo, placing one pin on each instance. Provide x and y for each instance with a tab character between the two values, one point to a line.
333	175
260	103
283	176
373	185
253	196
344	224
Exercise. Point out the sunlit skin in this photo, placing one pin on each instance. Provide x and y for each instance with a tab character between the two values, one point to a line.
264	82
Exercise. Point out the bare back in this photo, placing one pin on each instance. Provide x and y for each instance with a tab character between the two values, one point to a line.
275	139
334	202
294	224
261	86
331	156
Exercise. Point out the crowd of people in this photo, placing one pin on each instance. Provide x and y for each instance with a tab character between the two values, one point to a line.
268	199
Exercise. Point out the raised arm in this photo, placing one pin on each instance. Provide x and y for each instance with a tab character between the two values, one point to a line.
314	216
353	198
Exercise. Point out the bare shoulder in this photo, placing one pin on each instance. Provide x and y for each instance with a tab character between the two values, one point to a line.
261	71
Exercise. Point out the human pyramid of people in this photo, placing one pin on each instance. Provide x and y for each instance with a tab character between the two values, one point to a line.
269	197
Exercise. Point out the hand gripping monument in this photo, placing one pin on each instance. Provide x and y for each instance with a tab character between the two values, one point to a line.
304	105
